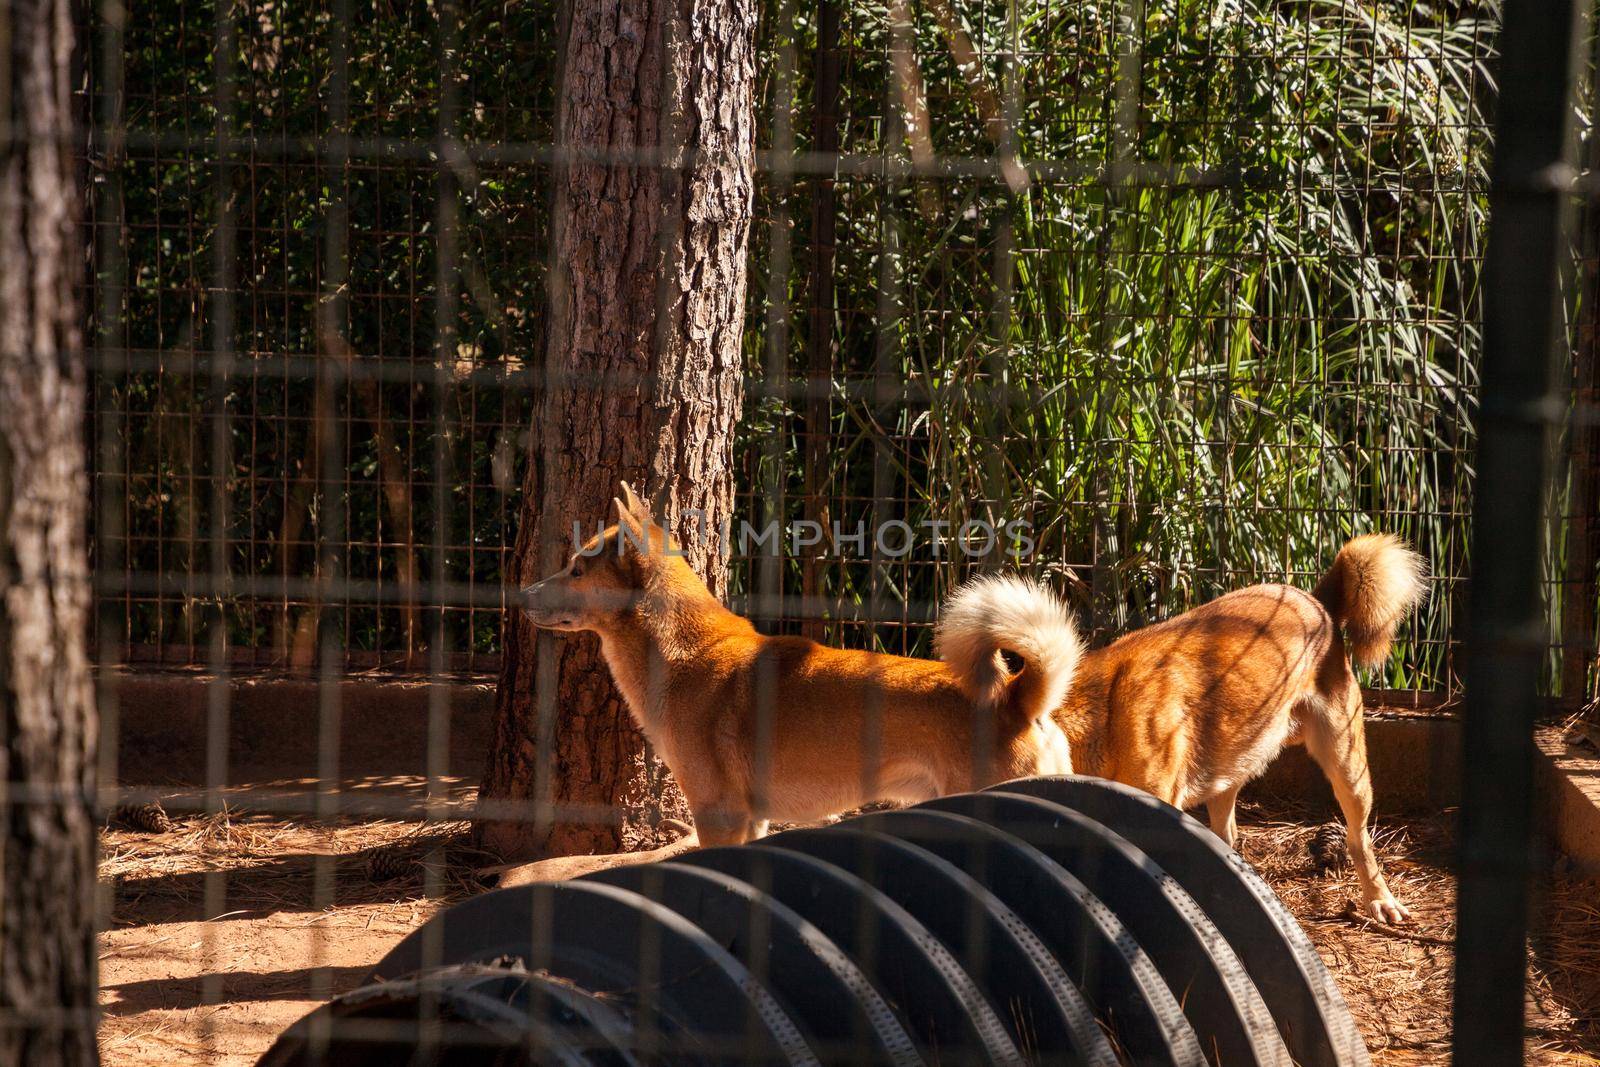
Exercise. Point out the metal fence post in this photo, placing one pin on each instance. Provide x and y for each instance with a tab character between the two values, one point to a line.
1522	400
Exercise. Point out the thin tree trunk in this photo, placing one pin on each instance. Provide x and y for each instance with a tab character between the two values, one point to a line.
641	372
47	961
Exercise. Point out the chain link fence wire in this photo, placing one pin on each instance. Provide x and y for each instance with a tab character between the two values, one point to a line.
1186	294
1151	298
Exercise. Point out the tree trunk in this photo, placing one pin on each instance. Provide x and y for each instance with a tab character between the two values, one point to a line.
47	961
641	370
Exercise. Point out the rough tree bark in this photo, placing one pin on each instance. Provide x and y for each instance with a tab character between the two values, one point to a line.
641	369
47	961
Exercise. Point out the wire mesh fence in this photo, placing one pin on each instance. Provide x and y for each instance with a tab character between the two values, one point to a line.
1189	298
1152	300
216	173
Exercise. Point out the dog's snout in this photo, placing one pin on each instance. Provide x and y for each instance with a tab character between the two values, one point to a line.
554	603
547	602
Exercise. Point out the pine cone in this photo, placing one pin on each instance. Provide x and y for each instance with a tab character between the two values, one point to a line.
1327	847
149	818
387	864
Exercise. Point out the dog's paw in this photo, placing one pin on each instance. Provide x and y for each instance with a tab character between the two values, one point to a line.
1386	909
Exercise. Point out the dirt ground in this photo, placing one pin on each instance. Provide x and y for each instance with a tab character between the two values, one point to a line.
1397	980
223	930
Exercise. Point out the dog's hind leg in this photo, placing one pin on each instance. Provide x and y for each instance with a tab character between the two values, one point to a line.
1336	737
1221	810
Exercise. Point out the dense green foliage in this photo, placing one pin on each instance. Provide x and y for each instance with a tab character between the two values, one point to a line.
1228	321
405	439
1242	330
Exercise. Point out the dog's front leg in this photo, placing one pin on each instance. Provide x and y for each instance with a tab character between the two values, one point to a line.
1224	823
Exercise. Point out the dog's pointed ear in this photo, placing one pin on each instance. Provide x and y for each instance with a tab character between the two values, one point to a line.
636	506
625	514
633	532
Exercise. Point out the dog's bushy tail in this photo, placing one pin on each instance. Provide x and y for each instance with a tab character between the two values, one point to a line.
996	614
1374	582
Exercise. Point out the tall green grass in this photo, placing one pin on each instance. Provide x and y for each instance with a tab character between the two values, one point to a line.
1241	317
1230	321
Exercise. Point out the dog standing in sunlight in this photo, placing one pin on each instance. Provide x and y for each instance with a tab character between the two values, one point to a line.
756	728
1193	708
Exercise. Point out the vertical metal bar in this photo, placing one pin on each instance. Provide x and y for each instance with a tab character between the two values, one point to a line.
775	373
1004	273
547	673
1530	201
885	367
109	377
1122	120
886	376
332	596
110	371
446	311
219	591
819	328
774	387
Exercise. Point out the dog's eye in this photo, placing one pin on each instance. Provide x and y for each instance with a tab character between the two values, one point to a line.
577	569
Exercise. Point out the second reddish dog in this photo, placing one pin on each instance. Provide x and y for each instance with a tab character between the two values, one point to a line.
1193	708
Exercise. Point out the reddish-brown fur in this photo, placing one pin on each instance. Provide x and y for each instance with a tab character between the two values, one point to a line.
757	727
1193	708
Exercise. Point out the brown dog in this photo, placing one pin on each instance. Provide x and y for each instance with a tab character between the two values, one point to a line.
757	727
1193	708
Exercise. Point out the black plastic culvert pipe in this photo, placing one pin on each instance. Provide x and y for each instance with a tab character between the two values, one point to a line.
844	1010
1100	956
1039	1004
940	1003
1049	920
1218	998
1302	996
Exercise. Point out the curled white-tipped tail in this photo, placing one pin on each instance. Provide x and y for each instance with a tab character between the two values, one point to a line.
1374	582
997	614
